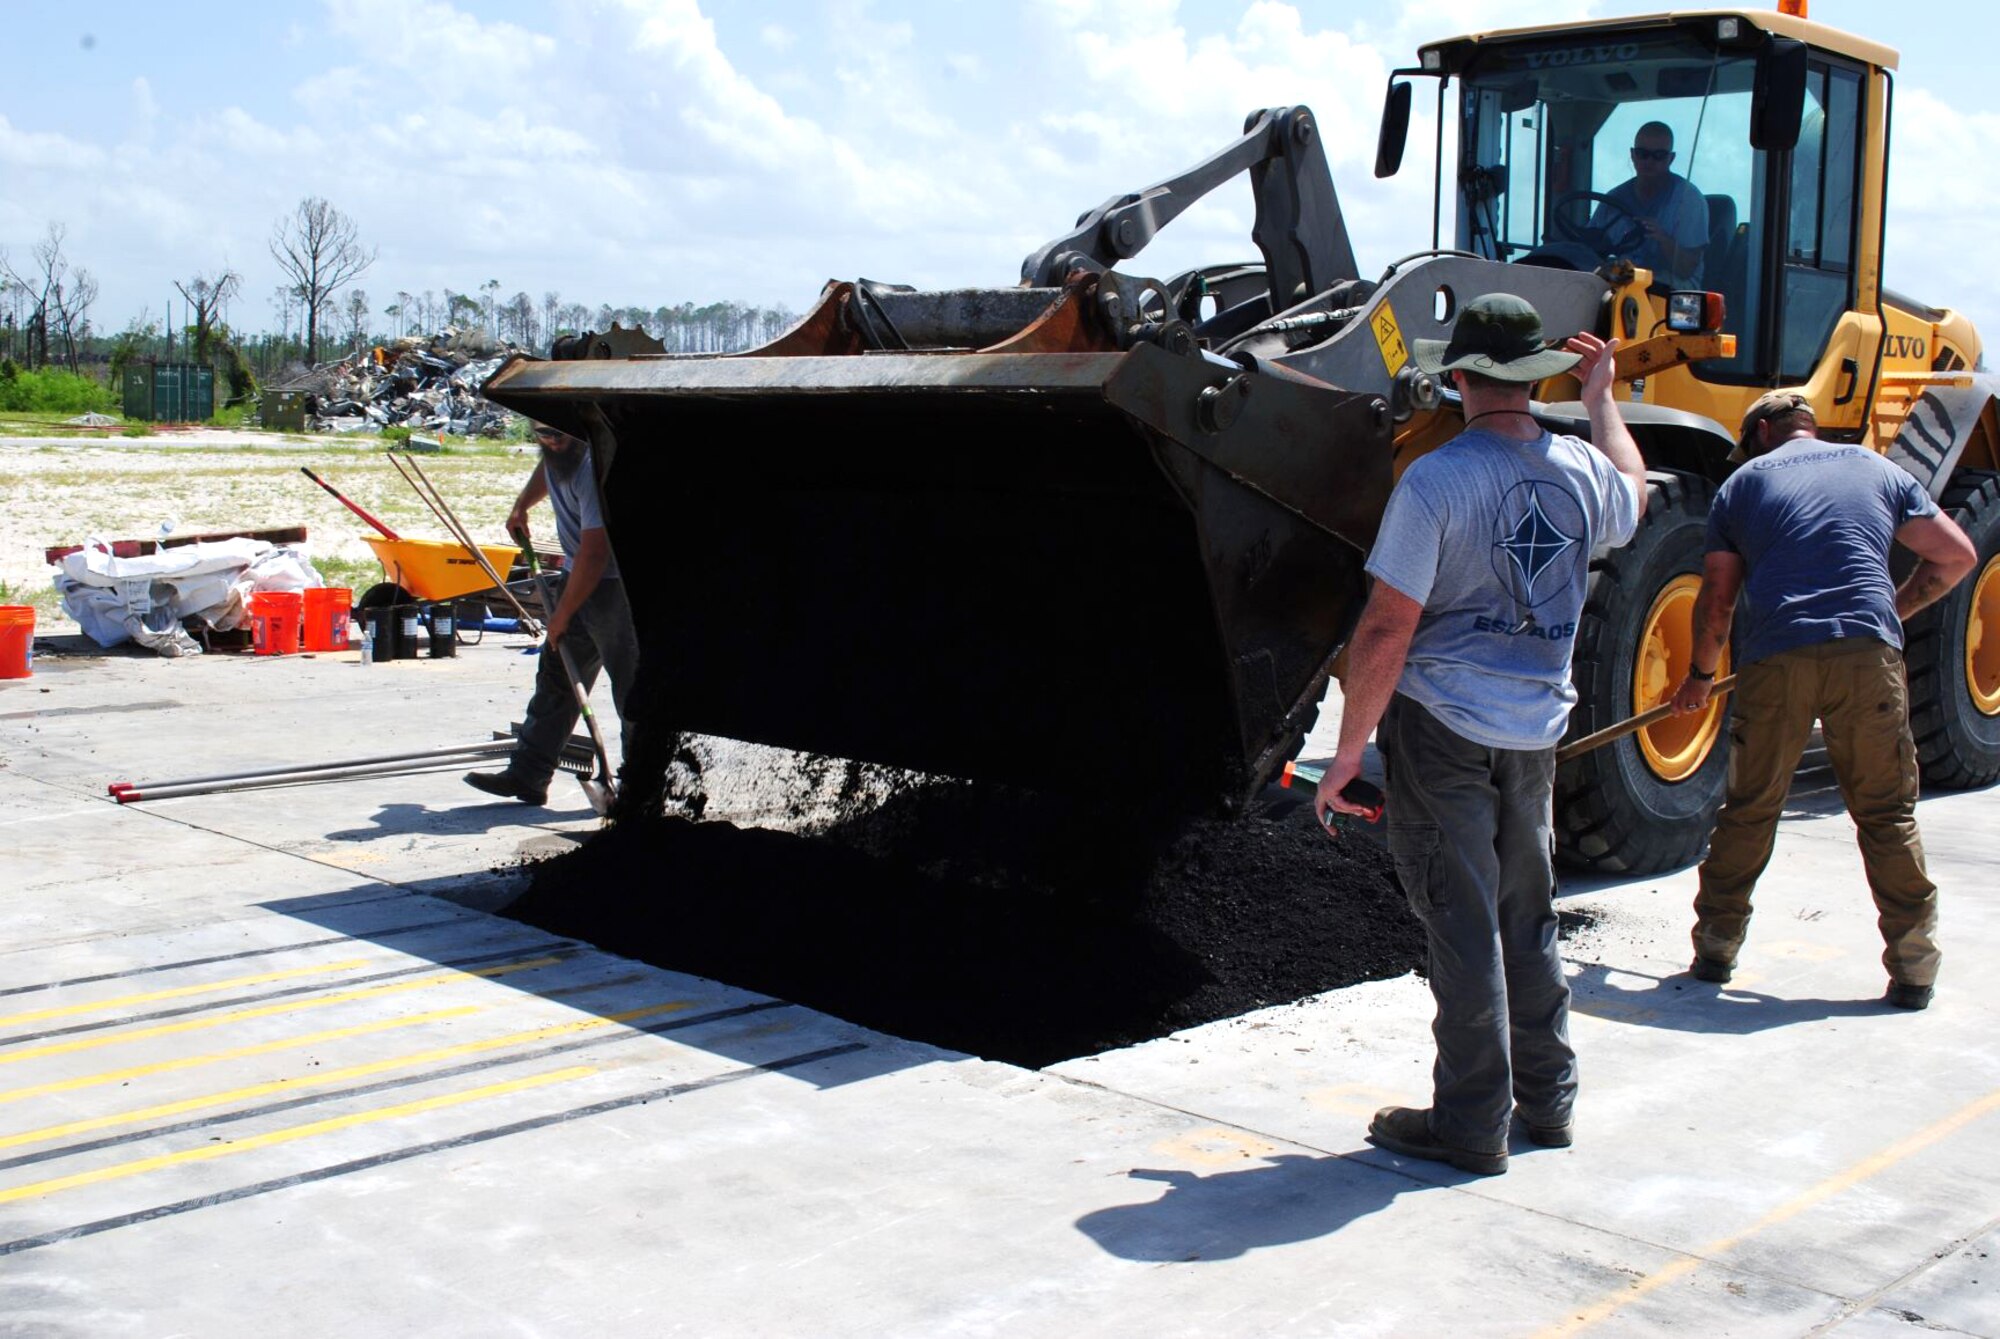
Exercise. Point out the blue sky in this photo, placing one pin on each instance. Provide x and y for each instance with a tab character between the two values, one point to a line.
661	151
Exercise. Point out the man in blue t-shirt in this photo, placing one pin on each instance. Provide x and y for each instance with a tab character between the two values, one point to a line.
1802	531
1665	205
1462	657
591	618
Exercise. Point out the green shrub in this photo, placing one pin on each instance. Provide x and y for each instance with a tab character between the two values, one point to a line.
395	432
136	430
53	391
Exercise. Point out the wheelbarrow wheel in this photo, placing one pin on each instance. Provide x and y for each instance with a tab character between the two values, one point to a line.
383	595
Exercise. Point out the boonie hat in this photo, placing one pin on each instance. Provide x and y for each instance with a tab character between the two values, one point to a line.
1499	336
1764	408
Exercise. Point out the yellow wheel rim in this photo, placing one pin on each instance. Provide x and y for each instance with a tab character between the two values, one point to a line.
1675	748
1982	653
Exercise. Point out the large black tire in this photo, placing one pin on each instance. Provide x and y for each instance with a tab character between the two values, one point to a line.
1614	811
1958	741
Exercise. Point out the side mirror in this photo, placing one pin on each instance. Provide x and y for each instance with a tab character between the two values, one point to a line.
1778	101
1396	128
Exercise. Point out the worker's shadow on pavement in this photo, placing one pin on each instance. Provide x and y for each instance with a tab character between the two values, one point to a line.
1284	1198
458	820
1684	1004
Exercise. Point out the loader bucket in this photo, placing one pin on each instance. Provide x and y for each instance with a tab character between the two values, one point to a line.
1060	569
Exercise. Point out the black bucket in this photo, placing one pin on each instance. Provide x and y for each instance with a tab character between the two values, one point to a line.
382	631
409	630
442	620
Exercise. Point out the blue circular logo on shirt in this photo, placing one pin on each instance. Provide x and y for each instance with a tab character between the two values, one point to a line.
1538	541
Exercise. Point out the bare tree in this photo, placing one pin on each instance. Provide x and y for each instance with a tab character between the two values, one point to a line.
357	319
205	299
489	306
41	288
69	311
462	311
319	249
517	320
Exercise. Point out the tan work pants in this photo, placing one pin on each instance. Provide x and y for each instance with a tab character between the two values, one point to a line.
1857	691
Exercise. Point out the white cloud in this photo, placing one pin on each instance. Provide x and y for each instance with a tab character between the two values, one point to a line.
437	41
619	150
29	149
1941	208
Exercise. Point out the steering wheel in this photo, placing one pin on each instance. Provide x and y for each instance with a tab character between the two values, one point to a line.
1620	234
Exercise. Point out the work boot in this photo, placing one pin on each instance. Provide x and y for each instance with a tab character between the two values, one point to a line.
1407	1130
1903	995
1548	1136
508	785
1711	969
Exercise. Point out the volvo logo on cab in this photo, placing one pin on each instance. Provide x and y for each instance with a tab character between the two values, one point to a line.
1604	54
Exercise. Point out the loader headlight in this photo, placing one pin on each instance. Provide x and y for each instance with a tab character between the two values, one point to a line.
1695	313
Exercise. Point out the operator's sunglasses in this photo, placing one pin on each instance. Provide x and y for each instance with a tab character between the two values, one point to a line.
548	434
1653	155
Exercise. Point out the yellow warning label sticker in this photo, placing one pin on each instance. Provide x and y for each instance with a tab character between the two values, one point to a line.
1389	339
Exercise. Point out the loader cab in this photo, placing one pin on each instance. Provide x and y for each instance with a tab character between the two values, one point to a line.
1771	193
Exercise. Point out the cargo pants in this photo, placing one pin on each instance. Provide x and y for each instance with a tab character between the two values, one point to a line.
1471	831
601	636
1856	689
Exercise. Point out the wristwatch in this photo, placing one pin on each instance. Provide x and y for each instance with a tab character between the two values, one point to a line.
1700	676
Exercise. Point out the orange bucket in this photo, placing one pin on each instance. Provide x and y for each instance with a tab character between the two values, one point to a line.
326	613
17	641
274	621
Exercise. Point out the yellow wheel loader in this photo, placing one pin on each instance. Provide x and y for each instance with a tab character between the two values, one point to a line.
1101	523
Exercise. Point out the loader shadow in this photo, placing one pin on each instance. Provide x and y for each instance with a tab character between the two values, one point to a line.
1289	1198
432	942
1680	1003
400	819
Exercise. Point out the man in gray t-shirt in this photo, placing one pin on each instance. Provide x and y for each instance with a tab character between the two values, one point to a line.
1462	658
1803	533
591	618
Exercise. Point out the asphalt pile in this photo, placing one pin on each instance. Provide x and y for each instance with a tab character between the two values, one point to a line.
427	383
1006	924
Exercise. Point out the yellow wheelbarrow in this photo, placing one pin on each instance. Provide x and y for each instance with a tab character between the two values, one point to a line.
435	570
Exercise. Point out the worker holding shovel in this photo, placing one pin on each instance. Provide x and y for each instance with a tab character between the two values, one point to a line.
591	620
1462	656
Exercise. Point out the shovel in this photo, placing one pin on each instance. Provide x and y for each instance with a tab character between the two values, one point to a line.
1634	724
600	789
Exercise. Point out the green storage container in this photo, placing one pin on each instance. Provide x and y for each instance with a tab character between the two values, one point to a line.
169	392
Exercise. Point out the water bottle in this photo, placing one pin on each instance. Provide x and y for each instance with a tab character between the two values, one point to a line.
367	641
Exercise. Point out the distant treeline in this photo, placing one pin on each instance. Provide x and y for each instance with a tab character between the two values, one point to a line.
322	314
715	327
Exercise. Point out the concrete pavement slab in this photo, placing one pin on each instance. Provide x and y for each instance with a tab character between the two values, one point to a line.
263	1080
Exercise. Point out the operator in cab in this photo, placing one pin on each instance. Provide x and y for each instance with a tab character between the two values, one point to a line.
1665	204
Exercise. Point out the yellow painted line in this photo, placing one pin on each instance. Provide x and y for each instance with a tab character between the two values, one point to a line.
242	1052
1833	1185
264	1011
180	992
209	1152
320	1080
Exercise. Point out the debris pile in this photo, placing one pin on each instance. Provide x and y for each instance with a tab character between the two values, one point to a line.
428	383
